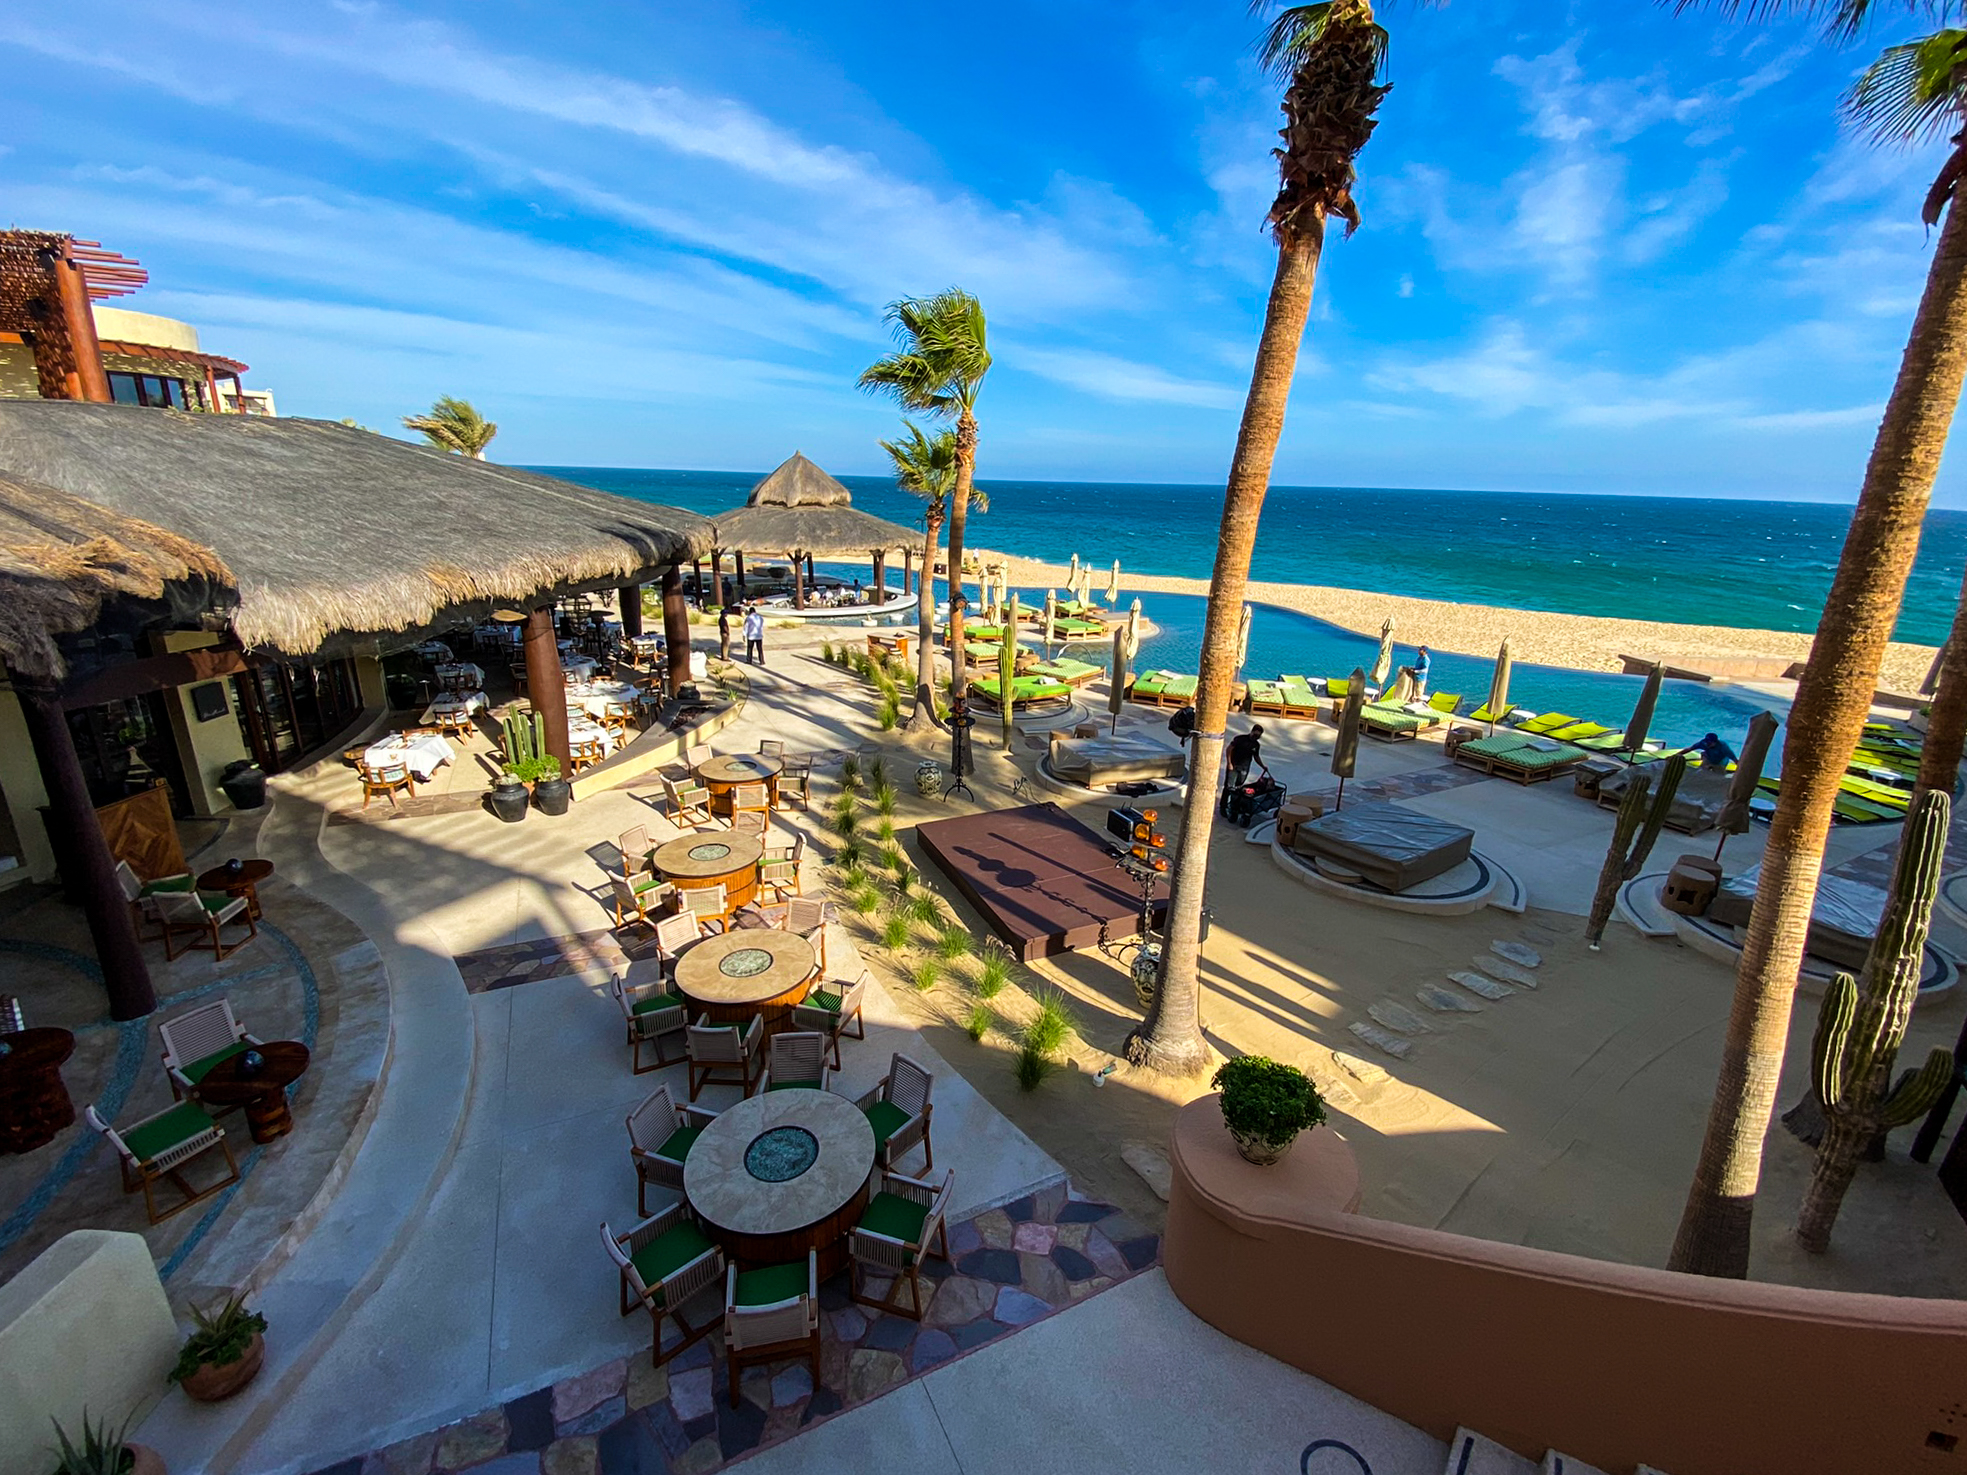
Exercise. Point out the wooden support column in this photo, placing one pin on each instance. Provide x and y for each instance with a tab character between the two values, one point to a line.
91	381
908	570
880	576
630	597
125	974
546	685
716	579
696	578
740	558
676	627
212	401
798	582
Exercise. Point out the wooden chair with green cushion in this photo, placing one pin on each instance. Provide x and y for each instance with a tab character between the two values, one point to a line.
653	1013
898	1109
795	1060
203	913
660	1136
685	797
830	1007
1445	702
771	1314
1483	714
725	1054
666	1262
197	1040
142	895
899	1228
639	899
156	1149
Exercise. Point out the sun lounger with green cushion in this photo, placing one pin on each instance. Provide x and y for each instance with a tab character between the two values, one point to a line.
1070	628
1545	723
1299	699
1483	714
1445	702
1151	687
1527	760
1023	689
1394	723
1072	673
1336	686
1266	698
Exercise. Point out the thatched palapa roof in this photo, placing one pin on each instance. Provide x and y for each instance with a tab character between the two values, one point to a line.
800	510
330	535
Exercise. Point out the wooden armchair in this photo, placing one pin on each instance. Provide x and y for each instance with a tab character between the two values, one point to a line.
770	1314
660	1136
705	904
141	895
197	1040
203	913
771	748
386	780
651	1013
796	780
796	1060
156	1149
899	1110
830	1007
724	1054
898	1229
697	754
807	916
639	899
751	808
685	796
666	1262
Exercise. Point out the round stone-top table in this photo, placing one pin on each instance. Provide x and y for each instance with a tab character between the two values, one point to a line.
262	1092
34	1102
782	1173
243	882
751	971
707	858
721	775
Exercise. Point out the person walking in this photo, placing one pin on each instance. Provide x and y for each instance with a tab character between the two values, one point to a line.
754	636
1245	752
724	631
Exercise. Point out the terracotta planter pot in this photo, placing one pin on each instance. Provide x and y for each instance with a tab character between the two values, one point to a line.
214	1381
146	1461
1260	1151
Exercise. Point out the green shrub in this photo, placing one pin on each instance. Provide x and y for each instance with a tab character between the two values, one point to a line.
955	942
850	854
826	651
904	881
884	831
1052	1025
1031	1067
888	715
977	1023
895	934
926	975
885	798
877	772
864	900
896	860
1266	1099
994	971
922	907
845	822
850	773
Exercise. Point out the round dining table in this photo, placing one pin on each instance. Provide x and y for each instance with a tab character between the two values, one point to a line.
722	774
782	1173
753	970
34	1101
710	858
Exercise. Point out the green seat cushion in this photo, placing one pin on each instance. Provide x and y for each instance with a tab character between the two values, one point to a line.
216	901
676	1146
812	1084
819	1000
166	883
770	1284
644	881
1547	722
1394	719
180	1124
887	1119
1445	701
199	1069
1336	687
655	1002
895	1216
669	1252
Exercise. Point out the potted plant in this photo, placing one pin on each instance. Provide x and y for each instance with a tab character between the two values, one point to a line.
550	791
509	797
244	783
103	1451
224	1354
1265	1105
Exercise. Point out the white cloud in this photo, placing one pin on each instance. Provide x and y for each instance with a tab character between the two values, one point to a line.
1109	377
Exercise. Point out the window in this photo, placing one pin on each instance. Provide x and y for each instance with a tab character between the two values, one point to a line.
149	389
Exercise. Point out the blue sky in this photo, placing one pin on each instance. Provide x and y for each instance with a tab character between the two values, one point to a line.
1605	248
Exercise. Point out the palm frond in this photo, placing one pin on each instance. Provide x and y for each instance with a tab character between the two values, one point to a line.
453	424
1841	19
942	354
1913	92
924	464
1291	34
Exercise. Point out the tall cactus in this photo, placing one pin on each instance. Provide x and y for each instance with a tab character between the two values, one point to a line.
1859	1030
525	736
1626	854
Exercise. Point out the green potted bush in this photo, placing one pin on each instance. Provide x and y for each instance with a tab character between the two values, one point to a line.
223	1354
1265	1105
101	1450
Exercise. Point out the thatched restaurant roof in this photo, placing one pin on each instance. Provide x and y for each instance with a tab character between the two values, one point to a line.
326	532
799	510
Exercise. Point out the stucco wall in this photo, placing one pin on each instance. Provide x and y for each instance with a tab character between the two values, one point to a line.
20	780
123	326
17	377
1613	1364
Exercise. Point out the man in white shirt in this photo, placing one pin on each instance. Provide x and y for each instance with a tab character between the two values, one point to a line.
754	636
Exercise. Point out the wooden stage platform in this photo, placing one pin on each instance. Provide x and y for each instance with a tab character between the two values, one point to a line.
1044	882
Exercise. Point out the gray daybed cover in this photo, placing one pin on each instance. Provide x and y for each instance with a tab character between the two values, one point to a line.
1843	920
1390	846
1108	760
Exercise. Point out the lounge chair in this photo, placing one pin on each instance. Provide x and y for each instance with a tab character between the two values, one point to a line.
1483	714
1149	686
1394	724
1266	699
1336	686
1024	690
1546	723
1526	760
1447	703
1069	672
1299	699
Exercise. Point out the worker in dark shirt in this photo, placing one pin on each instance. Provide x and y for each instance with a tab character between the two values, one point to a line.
1714	754
1246	751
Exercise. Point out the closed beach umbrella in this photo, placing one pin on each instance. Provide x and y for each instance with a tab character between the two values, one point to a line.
1383	662
1113	584
1345	751
1116	696
1072	578
1134	625
1642	712
1499	688
1082	588
1051	618
1748	774
1007	670
1243	640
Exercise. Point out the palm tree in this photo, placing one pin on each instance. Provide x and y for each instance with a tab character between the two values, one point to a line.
926	466
1330	55
453	425
1912	92
938	369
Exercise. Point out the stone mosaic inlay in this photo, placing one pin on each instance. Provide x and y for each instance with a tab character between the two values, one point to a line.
782	1154
746	962
712	851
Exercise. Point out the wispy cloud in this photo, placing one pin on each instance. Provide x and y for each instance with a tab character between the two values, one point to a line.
1106	376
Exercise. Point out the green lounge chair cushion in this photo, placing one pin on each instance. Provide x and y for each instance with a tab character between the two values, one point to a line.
166	884
1445	701
770	1284
1609	742
676	1146
200	1068
655	1002
1512	749
669	1252
1267	692
1337	687
1181	688
1297	692
178	1125
887	1119
1393	719
1575	732
897	1218
1547	722
1483	714
1152	683
1067	670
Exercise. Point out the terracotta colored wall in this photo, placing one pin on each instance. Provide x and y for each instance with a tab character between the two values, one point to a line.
1609	1363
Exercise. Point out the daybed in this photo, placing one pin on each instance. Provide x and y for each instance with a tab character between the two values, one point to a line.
1393	847
1527	760
1097	762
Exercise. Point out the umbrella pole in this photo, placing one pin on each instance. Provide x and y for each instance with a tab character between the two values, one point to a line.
1341	801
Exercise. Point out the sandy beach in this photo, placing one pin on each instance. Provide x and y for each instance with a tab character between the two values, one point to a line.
1581	642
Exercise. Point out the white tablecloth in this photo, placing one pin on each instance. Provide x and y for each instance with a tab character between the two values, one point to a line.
497	634
578	667
423	756
470	701
466	669
592	697
434	650
581	732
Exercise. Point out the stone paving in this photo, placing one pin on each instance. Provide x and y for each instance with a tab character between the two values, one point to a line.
1011	1267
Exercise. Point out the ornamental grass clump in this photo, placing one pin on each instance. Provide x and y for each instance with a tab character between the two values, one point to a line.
922	907
849	857
1031	1067
896	860
864	900
885	797
1053	1024
850	773
993	973
895	934
845	822
955	941
926	975
884	831
877	772
888	715
1266	1104
977	1023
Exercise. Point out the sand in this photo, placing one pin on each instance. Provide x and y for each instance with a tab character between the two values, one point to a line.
1582	642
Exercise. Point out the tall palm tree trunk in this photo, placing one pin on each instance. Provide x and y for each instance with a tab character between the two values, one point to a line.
1170	1038
959	516
1946	722
923	718
1833	700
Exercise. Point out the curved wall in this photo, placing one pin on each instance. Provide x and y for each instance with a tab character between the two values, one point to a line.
1613	1364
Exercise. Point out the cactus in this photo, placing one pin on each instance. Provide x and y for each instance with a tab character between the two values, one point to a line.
1634	832
1859	1030
524	734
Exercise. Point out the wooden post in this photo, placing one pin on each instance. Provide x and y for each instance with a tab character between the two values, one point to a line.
696	578
740	557
89	380
212	401
546	685
676	627
880	577
908	570
716	580
798	581
630	596
125	974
